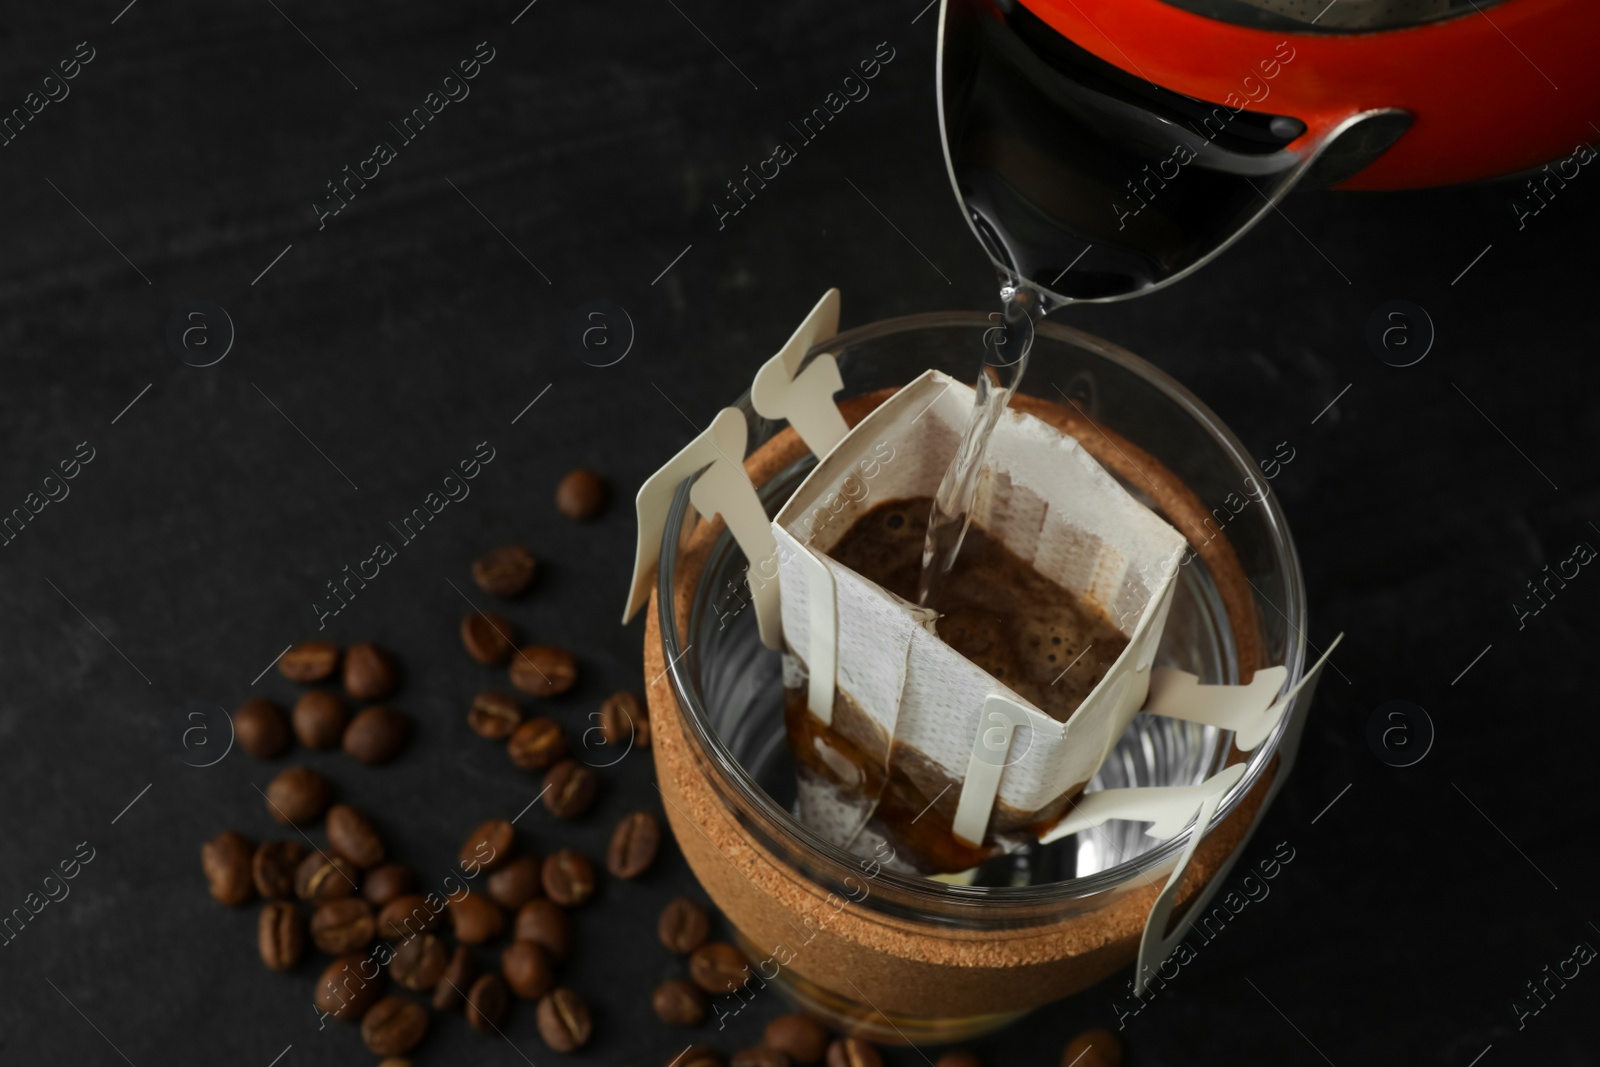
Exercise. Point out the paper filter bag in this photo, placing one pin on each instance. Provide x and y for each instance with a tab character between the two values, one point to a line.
875	672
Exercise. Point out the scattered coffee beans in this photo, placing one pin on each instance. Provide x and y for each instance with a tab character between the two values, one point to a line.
350	986
486	1003
352	836
698	1056
383	884
683	926
537	744
488	847
323	877
800	1037
544	923
515	884
541	671
262	728
341	926
280	935
298	795
853	1052
369	672
377	735
406	916
564	1021
581	495
633	845
570	789
420	963
319	719
451	992
504	572
718	968
395	1024
527	970
309	661
679	1003
567	877
760	1057
227	862
623	720
1094	1048
493	715
475	919
274	865
958	1058
489	639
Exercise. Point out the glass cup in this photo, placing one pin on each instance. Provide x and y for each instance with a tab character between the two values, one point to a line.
901	958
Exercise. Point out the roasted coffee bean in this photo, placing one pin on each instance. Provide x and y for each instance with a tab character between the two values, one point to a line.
541	671
633	845
760	1056
369	672
395	1024
227	862
545	923
683	926
298	795
350	986
853	1052
699	1056
718	968
309	661
352	836
504	572
679	1003
319	719
274	865
489	639
581	495
537	744
451	991
493	715
383	884
419	962
800	1037
280	935
1094	1048
475	918
323	877
568	878
564	1021
570	789
262	728
958	1058
527	970
488	847
408	915
515	884
344	925
377	735
487	1001
623	721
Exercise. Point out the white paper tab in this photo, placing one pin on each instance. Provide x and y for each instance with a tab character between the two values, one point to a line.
1168	809
722	488
782	391
1250	711
991	755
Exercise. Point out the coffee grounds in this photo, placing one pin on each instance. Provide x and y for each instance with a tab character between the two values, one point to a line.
1046	644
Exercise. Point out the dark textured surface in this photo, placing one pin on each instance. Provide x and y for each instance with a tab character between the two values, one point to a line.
407	331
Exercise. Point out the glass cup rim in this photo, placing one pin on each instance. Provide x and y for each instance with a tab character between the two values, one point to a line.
800	845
